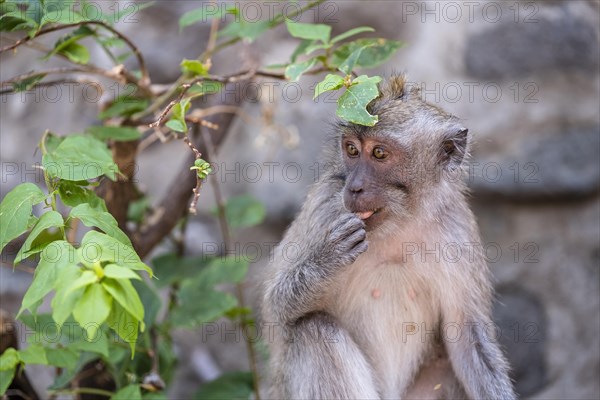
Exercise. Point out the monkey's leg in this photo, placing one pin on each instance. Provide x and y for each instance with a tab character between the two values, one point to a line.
322	361
478	361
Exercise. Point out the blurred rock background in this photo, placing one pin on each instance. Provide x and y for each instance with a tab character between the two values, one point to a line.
522	74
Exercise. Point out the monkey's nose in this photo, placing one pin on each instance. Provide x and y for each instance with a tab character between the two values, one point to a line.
355	189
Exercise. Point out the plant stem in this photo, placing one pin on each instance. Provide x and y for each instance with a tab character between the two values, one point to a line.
226	233
84	390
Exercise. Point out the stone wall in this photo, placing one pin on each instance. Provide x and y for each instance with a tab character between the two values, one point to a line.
524	77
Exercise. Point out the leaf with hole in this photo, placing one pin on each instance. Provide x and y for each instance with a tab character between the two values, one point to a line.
352	105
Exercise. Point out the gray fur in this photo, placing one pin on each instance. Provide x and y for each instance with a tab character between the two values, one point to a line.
358	321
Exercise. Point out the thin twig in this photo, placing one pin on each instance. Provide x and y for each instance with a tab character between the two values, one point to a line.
50	83
197	156
83	390
156	105
62	70
186	86
226	233
144	81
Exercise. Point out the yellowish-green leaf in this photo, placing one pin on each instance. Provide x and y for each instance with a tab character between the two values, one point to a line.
92	309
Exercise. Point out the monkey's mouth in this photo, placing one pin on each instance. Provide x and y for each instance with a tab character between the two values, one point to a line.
364	215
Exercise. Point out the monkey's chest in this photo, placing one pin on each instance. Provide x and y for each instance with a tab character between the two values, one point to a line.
390	311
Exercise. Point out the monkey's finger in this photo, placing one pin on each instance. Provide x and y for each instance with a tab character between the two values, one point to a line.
356	238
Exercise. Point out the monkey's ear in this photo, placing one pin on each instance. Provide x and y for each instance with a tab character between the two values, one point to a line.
454	148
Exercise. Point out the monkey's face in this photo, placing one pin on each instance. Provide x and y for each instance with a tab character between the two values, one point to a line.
374	187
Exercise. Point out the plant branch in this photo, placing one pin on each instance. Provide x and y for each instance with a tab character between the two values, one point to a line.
174	205
226	233
83	390
143	82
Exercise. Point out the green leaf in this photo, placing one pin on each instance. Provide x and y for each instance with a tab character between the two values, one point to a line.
202	14
244	211
193	68
377	52
199	302
54	259
98	344
178	115
293	72
125	325
170	268
131	392
6	378
118	133
349	63
68	46
223	270
176	125
197	308
352	32
27	84
85	279
35	353
64	301
72	194
309	31
205	87
76	53
16	210
137	209
246	30
92	217
51	219
124	106
9	360
150	299
99	247
352	105
62	357
61	16
79	158
301	49
124	293
92	309
331	82
230	385
116	272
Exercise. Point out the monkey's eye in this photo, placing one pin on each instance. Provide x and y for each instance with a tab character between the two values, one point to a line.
351	150
379	153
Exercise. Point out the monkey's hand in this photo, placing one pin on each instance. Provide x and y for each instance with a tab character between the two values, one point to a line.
343	243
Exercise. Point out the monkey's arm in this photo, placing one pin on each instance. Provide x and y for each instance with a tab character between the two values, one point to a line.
476	358
323	238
